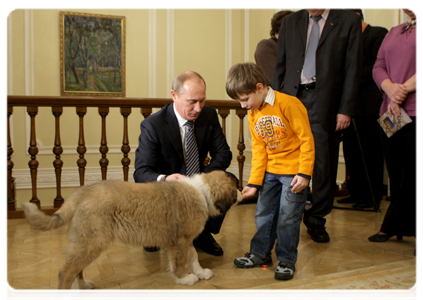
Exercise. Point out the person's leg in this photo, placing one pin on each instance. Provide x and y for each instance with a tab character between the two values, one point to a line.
266	217
266	221
289	222
324	172
400	218
353	162
368	194
205	241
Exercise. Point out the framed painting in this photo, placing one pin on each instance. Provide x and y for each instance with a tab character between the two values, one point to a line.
92	55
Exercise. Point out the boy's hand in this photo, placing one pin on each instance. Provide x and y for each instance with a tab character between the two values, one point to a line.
299	183
248	192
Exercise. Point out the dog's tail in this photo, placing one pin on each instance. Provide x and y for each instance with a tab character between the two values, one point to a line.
41	221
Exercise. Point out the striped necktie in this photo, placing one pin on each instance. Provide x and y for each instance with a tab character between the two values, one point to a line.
192	160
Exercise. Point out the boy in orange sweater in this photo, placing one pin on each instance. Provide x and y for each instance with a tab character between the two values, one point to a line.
282	165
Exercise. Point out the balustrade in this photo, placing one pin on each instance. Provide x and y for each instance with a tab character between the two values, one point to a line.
32	104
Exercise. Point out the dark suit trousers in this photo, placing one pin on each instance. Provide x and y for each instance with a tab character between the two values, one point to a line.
400	156
325	165
368	131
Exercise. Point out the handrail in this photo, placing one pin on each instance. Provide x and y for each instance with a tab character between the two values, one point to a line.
103	104
106	102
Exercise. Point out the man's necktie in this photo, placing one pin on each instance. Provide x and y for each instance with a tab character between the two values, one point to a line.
192	160
310	59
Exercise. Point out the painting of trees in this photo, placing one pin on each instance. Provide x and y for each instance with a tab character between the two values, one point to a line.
92	54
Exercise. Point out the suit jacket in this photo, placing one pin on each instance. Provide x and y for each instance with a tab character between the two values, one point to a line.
160	146
338	62
370	97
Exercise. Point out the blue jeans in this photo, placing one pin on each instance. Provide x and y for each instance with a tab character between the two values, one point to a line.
278	217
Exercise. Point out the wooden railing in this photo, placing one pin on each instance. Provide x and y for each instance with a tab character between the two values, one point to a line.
32	103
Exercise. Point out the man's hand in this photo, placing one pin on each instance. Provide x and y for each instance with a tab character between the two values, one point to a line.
248	192
299	183
342	122
174	176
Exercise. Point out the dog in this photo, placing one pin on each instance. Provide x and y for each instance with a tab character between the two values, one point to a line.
168	214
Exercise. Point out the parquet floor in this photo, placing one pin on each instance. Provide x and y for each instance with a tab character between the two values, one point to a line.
34	258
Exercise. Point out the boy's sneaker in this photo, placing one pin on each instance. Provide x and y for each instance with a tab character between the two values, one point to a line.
250	261
284	272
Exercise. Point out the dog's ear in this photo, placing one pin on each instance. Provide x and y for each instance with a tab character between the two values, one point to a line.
234	178
223	205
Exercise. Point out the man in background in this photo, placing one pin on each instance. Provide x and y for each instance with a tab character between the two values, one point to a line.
321	67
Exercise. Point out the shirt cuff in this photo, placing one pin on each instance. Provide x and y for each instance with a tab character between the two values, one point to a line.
304	175
258	187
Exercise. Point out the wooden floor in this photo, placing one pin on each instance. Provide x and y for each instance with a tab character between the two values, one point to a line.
35	257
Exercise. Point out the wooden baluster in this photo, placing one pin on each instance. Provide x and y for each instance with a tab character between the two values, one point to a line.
58	150
241	146
146	111
125	112
10	191
82	162
223	114
104	162
33	151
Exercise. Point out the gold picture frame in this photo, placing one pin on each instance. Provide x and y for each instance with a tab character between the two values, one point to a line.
92	55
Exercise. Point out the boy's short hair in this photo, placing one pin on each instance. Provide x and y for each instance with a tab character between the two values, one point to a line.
243	79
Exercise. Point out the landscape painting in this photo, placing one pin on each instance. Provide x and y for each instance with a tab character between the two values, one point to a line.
92	55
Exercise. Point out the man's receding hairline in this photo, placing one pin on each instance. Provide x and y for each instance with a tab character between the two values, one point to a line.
187	75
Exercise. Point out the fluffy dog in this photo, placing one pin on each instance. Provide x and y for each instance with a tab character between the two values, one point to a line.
166	214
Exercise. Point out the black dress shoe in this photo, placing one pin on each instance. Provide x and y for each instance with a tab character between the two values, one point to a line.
380	238
319	234
151	249
207	243
348	199
363	205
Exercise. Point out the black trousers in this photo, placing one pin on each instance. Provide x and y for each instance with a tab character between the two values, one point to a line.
400	156
325	165
368	131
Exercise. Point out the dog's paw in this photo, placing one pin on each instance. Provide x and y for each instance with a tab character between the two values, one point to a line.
83	285
187	280
204	274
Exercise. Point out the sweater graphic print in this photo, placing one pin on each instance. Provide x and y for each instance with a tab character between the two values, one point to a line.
271	130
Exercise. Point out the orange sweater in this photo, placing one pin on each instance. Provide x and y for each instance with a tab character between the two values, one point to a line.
282	142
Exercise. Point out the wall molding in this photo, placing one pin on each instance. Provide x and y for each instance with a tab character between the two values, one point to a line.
247	35
170	48
152	55
10	54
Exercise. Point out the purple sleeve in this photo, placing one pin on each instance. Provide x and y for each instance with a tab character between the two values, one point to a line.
380	72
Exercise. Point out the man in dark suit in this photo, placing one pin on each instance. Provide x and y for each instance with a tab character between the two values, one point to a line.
365	183
329	95
161	152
